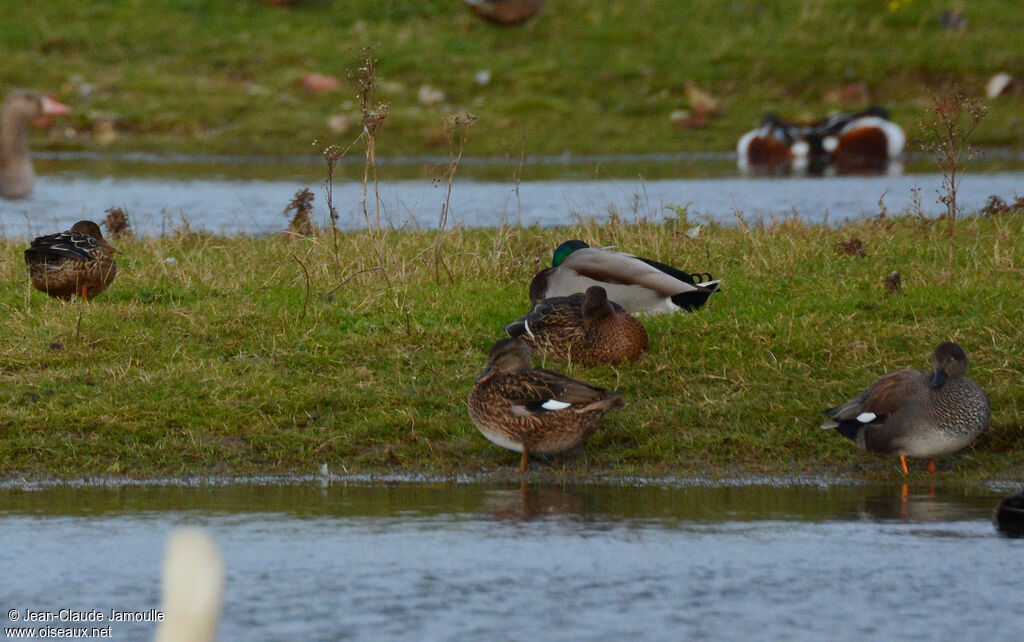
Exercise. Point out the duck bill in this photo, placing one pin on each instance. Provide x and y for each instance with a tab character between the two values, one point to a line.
109	247
52	107
939	377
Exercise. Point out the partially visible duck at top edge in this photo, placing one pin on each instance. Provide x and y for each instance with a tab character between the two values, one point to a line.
505	13
22	107
637	284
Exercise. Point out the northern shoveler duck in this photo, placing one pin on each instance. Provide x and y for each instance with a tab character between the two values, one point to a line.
21	108
1009	515
505	13
532	410
193	583
77	261
775	145
866	141
637	284
909	413
585	327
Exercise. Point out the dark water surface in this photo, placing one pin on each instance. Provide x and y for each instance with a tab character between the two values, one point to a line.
371	561
235	196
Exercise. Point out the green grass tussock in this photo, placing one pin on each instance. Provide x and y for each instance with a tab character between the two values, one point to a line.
211	355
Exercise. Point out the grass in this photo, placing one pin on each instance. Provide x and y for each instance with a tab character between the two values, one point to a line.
223	76
212	355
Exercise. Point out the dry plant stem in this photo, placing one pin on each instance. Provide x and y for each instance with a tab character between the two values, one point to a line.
305	301
457	126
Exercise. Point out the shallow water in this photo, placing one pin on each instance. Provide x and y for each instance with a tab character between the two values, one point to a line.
347	560
251	197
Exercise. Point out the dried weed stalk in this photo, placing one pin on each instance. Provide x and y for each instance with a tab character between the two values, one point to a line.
300	208
456	130
374	114
947	126
117	223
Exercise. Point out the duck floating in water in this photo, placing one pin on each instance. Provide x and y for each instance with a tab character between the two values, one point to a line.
21	108
775	145
505	13
532	410
77	261
638	285
193	579
1009	515
585	328
863	142
909	413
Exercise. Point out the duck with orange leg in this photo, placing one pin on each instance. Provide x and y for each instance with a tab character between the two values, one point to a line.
78	261
909	413
533	410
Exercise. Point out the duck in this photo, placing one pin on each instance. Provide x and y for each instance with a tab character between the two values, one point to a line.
638	285
505	13
584	327
193	584
21	107
865	141
533	410
909	413
77	261
775	145
1009	515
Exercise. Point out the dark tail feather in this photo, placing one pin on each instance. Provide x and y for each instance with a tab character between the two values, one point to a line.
516	329
1009	517
693	299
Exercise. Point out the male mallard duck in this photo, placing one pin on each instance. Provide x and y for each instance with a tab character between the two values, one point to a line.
636	284
505	13
775	145
858	142
77	261
909	413
1009	515
583	327
21	108
532	410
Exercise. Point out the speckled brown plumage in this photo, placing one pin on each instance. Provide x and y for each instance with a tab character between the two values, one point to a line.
909	413
532	410
584	328
78	261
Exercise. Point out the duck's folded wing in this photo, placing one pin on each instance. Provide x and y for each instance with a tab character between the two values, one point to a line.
879	400
617	267
67	244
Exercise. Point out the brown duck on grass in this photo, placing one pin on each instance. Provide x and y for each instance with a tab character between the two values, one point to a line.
909	413
21	108
585	328
532	410
505	13
77	261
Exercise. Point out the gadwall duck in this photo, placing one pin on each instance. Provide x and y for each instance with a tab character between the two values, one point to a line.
585	328
77	261
909	413
532	410
638	285
21	108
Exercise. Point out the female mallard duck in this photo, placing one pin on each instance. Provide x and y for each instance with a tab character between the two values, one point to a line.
1009	515
77	261
21	108
531	410
505	13
909	413
585	328
636	284
775	145
866	141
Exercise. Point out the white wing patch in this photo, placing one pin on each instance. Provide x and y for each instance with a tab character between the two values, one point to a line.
866	417
555	404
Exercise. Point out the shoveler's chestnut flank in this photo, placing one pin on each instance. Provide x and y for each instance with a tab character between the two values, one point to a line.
77	261
585	327
505	13
637	284
532	410
909	413
21	108
775	144
864	141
